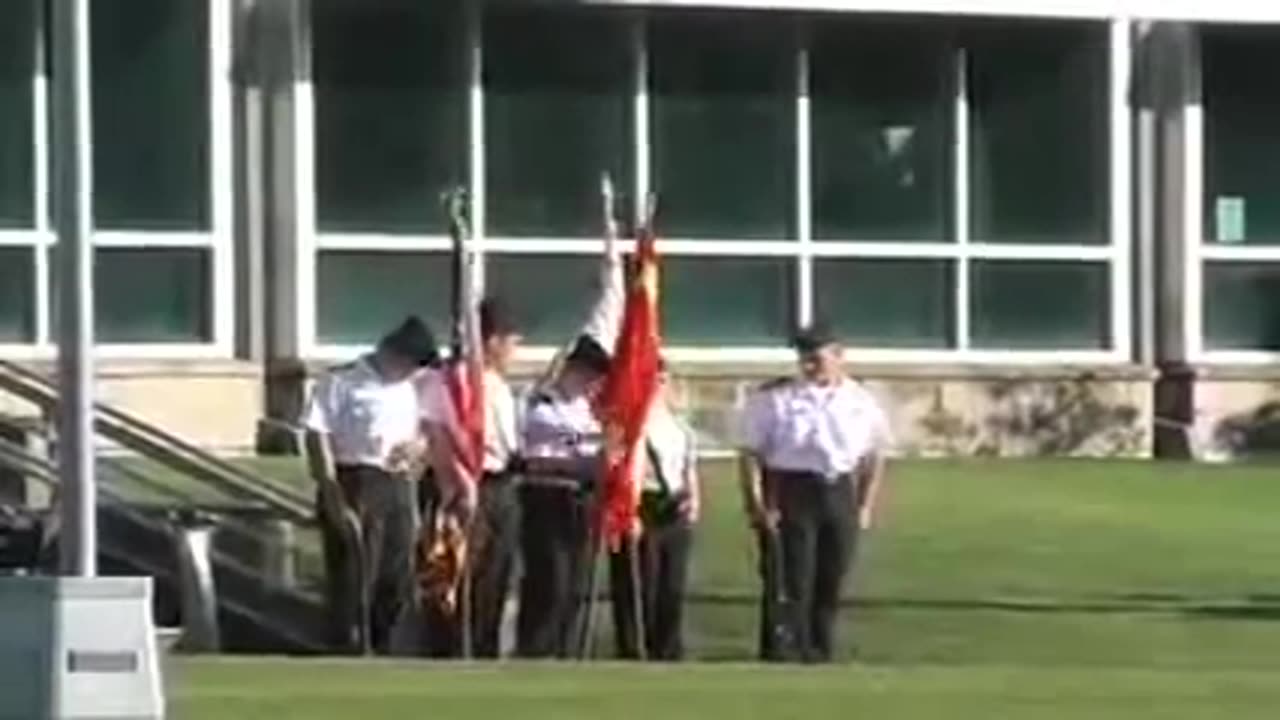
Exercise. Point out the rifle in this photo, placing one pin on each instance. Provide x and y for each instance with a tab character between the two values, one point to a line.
777	613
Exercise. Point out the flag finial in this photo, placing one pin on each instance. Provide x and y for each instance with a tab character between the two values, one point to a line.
457	209
608	200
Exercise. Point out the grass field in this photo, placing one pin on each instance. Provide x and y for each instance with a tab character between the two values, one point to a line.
1028	589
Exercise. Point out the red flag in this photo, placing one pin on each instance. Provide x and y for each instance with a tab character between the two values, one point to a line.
630	389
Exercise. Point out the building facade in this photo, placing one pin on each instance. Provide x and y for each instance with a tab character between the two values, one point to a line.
1044	226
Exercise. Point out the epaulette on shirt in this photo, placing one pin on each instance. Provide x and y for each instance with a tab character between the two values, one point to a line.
773	383
341	368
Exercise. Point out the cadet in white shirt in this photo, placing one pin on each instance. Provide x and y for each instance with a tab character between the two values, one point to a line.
368	410
491	499
813	451
669	507
560	441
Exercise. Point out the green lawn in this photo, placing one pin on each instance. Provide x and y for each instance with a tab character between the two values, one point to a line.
1028	589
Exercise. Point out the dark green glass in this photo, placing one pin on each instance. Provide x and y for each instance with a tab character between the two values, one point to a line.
1039	305
723	124
882	303
1039	126
1242	135
558	108
881	103
390	113
361	295
17	142
151	114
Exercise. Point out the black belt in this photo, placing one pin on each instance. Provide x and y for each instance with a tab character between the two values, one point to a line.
807	476
555	482
360	467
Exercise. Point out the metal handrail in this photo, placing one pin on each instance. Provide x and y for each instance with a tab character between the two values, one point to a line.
195	558
166	448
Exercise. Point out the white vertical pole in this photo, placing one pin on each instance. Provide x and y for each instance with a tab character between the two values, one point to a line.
40	141
473	30
73	154
804	178
640	108
1120	63
960	162
1192	200
303	188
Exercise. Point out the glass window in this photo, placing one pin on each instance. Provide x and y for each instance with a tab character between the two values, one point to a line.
17	53
148	295
1242	135
151	114
727	301
887	303
557	114
1241	306
1039	305
1038	114
17	295
362	295
551	293
881	119
390	104
723	124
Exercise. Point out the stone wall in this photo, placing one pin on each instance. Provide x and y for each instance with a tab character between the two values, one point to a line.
980	411
1236	412
215	404
935	410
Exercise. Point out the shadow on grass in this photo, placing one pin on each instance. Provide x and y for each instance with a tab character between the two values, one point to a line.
1252	607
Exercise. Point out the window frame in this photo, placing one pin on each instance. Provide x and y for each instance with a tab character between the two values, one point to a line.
1198	251
218	240
803	249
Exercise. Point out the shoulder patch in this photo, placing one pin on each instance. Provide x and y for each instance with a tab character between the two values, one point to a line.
774	383
340	368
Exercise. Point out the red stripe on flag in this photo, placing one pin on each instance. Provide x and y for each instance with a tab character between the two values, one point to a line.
630	390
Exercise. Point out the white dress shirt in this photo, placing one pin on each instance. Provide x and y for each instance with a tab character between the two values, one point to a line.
364	415
556	427
673	443
802	426
500	413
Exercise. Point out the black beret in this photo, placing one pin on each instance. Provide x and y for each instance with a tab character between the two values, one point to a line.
813	337
588	354
412	339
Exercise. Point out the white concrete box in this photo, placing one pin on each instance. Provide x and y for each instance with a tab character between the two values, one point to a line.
78	649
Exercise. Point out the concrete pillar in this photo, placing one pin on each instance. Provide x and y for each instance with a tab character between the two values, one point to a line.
283	54
1171	105
248	129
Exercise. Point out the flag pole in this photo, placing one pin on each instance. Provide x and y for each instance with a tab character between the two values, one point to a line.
640	624
78	555
638	593
462	295
595	544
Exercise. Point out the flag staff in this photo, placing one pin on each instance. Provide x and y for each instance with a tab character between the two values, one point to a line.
73	197
595	538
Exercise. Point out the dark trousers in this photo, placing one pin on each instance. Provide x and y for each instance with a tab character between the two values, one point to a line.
554	543
383	504
495	547
661	559
817	535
